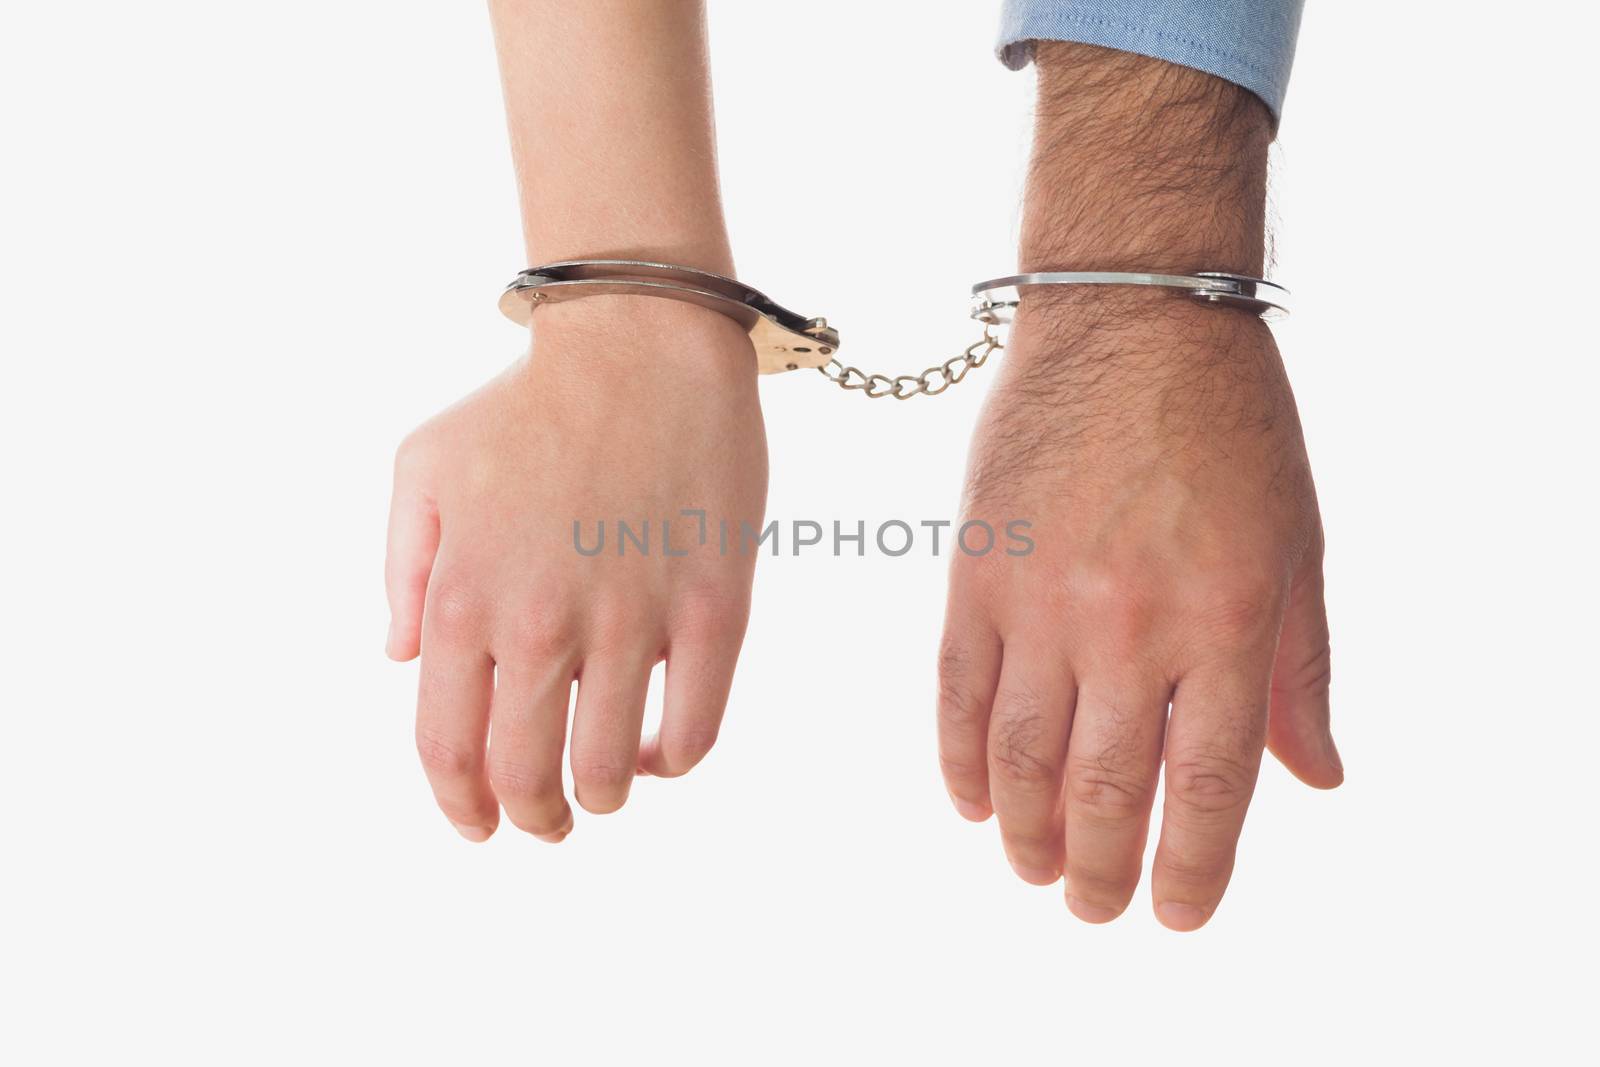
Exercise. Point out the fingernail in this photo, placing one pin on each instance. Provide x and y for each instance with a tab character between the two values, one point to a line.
1036	875
1181	917
970	810
471	833
1090	913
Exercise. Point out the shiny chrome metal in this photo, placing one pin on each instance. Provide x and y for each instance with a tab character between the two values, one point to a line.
783	340
930	382
1210	287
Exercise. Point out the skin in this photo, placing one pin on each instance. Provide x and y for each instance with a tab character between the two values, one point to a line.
623	408
1155	445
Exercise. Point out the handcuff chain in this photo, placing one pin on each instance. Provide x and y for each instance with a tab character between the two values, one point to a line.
931	382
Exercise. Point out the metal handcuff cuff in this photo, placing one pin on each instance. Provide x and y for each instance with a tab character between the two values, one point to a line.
787	341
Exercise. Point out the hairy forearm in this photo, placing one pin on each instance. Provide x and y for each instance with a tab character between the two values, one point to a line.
1139	164
609	104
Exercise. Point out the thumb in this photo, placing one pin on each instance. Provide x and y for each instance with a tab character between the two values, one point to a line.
1298	733
413	540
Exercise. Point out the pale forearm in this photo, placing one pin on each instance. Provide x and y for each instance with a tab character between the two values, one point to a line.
609	105
610	115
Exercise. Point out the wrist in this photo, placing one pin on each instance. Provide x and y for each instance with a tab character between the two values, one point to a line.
702	250
639	336
1122	345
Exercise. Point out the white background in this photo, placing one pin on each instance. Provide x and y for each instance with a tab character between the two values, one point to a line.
245	247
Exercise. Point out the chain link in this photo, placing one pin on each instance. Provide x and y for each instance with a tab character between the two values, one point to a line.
930	382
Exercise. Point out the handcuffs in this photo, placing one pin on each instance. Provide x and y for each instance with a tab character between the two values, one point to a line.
785	341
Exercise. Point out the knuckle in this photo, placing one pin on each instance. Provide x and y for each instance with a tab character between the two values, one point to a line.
1240	613
1098	789
978	581
1016	754
953	658
516	782
1194	869
622	624
445	757
455	610
959	703
540	631
1312	673
1121	607
708	611
1026	840
1036	853
1096	883
1210	784
956	768
410	457
601	772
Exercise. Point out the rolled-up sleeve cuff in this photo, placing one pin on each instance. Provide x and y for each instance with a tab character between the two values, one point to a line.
1248	42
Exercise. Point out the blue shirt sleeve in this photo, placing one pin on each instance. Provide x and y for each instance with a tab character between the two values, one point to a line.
1248	42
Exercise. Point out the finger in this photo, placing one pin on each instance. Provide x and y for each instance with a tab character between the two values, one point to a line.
1113	762
605	729
969	670
413	541
453	691
529	731
1298	732
699	674
1213	753
1028	732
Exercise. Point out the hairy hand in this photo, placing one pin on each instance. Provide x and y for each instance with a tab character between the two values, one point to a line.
1154	445
627	409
